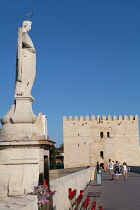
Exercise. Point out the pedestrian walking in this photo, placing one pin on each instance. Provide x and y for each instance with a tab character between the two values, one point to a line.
125	170
105	167
117	170
97	166
111	169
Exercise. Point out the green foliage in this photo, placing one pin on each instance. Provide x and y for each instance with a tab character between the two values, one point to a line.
54	152
53	157
60	149
40	207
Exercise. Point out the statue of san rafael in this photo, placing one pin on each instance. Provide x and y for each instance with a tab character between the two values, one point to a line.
25	63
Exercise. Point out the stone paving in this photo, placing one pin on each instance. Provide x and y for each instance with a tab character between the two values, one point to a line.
116	195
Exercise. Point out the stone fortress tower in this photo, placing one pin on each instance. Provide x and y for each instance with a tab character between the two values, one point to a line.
91	139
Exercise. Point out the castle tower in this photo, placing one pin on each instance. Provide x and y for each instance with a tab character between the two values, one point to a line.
91	139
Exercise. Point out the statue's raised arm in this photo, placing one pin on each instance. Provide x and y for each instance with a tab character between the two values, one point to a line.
26	62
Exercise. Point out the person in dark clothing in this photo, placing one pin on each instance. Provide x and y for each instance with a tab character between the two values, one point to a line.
117	170
102	165
97	166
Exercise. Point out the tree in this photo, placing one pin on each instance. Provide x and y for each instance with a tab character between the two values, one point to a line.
60	149
53	157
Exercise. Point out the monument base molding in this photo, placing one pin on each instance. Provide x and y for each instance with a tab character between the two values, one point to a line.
21	162
22	131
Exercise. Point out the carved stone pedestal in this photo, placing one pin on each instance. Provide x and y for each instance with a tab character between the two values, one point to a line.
25	131
21	163
23	112
20	122
20	112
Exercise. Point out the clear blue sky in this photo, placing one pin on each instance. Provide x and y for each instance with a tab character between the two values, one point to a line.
88	57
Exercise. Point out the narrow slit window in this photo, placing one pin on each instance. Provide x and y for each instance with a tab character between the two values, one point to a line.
108	135
102	154
101	135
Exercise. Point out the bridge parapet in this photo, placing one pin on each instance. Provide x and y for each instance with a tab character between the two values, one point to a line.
78	181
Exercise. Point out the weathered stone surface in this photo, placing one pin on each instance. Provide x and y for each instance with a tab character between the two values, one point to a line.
57	173
24	131
23	179
19	170
21	162
26	62
26	202
4	180
21	111
88	141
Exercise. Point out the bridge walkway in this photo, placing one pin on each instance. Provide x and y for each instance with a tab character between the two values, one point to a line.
116	195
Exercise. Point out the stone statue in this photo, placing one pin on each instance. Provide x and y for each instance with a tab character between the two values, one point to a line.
20	123
25	63
21	111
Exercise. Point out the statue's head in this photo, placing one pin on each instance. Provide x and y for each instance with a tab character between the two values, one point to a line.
26	25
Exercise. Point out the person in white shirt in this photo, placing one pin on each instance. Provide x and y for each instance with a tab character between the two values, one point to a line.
125	171
111	169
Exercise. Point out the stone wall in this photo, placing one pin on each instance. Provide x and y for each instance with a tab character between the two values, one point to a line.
78	181
58	173
91	139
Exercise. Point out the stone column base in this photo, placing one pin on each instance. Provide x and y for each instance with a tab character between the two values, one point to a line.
25	131
20	163
23	110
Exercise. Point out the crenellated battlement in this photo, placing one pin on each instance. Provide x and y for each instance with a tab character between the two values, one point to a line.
101	118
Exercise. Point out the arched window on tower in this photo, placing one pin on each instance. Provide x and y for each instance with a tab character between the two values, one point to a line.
101	135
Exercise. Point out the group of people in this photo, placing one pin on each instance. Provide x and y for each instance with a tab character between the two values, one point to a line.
115	169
